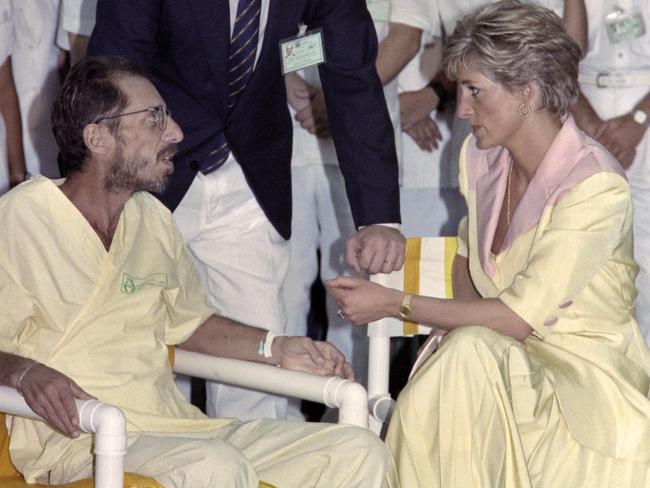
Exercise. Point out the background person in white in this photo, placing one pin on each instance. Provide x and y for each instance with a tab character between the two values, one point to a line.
615	108
322	218
430	201
12	158
35	65
76	22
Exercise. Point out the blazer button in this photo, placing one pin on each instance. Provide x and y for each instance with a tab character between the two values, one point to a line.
194	165
550	321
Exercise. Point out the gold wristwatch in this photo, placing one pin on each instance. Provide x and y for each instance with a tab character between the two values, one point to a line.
405	307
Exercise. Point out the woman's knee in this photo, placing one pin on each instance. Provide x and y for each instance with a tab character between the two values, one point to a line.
470	336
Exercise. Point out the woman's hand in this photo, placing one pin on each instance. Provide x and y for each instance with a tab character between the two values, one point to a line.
362	301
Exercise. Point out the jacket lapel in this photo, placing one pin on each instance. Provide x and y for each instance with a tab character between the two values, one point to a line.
490	190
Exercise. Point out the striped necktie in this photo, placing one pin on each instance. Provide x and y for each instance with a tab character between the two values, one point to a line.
241	61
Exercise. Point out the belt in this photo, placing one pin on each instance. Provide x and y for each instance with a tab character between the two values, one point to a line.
615	80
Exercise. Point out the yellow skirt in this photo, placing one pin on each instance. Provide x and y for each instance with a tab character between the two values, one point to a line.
482	413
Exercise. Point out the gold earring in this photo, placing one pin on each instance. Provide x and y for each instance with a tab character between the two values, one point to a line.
524	110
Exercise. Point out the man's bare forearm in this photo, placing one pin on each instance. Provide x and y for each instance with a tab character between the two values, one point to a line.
10	112
220	336
575	23
12	367
398	48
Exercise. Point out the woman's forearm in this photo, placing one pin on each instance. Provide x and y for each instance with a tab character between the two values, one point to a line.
450	314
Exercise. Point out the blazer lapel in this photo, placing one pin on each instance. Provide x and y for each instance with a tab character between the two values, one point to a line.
212	18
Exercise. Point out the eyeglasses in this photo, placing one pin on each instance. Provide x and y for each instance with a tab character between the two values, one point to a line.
159	114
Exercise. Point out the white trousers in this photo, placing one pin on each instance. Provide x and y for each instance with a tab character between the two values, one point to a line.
322	219
243	261
285	454
609	103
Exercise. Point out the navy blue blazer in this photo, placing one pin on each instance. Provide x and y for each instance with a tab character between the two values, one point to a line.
183	45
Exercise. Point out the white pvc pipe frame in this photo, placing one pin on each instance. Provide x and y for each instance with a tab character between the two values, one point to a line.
380	403
349	397
109	425
105	421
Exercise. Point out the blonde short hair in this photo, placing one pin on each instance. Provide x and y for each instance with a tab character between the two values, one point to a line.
514	44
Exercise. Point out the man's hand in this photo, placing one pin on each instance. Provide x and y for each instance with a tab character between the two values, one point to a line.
621	136
362	301
415	106
51	395
425	134
299	92
313	117
376	248
315	357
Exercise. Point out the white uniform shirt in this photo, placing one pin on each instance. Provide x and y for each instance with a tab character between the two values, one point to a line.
78	16
628	56
431	15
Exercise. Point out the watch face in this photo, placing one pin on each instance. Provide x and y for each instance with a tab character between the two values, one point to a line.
640	117
405	311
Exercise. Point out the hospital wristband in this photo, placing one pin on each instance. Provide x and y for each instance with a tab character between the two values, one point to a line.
264	346
23	374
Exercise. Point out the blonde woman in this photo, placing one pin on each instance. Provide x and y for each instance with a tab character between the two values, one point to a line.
543	379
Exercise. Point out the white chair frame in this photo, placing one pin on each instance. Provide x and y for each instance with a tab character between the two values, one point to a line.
109	426
430	258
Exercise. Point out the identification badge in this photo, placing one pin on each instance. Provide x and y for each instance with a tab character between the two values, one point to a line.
302	51
623	27
379	10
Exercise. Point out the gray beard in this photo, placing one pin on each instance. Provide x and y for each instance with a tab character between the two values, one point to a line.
124	176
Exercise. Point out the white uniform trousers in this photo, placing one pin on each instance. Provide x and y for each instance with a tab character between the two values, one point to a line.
285	454
243	261
613	102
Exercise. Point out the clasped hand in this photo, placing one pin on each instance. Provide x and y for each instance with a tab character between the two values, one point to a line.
621	136
315	357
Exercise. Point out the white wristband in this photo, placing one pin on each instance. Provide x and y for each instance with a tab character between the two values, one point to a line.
264	347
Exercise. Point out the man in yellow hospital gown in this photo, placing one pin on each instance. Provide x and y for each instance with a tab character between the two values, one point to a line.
95	282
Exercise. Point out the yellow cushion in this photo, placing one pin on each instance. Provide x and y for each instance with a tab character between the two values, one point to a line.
10	478
130	481
7	469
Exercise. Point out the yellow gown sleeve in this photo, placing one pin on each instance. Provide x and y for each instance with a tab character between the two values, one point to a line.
187	303
582	231
17	306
